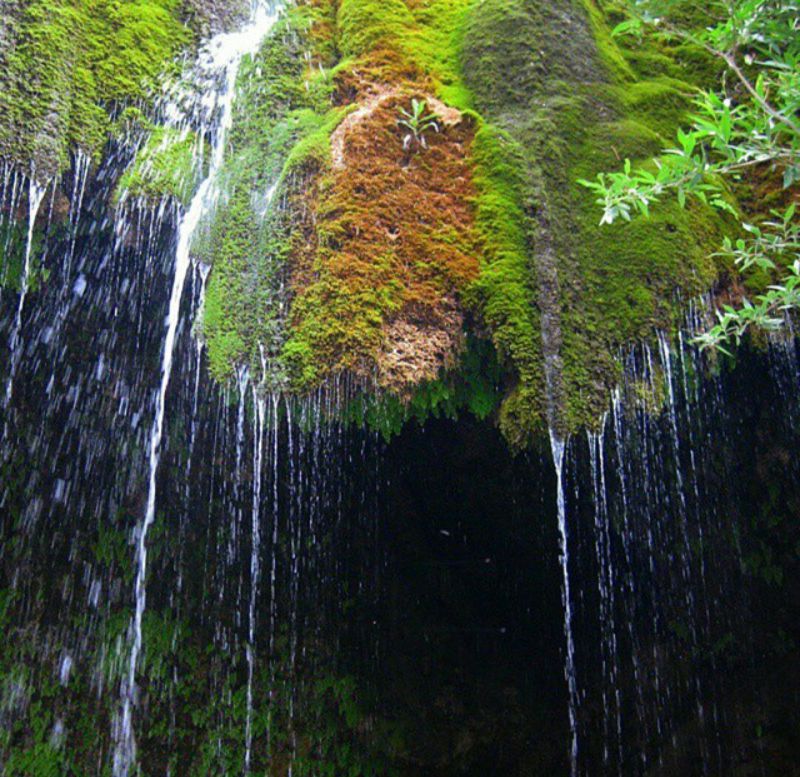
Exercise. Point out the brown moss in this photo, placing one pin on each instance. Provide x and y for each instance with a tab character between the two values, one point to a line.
394	247
370	74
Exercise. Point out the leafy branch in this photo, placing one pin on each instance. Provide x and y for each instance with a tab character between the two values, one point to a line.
752	122
774	245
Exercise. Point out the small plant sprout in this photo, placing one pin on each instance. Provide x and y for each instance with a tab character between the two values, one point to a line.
417	122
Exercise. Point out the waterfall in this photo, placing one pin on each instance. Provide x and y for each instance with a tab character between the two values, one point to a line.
294	496
300	596
260	404
81	166
558	448
686	556
36	193
203	270
273	574
659	528
630	590
606	581
225	53
550	307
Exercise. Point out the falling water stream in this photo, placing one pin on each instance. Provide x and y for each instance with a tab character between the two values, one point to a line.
278	584
606	580
558	448
225	53
36	193
259	433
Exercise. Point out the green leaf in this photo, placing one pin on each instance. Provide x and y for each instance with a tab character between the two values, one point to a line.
628	27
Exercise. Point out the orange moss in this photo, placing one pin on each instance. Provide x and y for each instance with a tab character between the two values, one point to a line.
384	242
395	246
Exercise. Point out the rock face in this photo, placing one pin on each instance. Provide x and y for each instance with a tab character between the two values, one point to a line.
340	250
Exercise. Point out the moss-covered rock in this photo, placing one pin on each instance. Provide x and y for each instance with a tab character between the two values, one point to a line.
553	79
377	242
167	166
66	65
337	250
382	263
282	125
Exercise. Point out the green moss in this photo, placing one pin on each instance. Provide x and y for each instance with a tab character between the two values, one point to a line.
224	343
575	110
659	104
281	134
365	25
435	45
274	84
339	325
313	131
41	759
605	46
505	292
241	312
284	122
427	35
474	386
166	166
553	98
13	236
69	64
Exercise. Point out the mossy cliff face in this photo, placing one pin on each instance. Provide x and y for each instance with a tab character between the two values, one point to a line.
376	249
339	250
549	76
374	260
373	245
67	67
165	167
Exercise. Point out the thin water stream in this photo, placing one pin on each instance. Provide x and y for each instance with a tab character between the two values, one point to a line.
223	56
558	447
36	194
